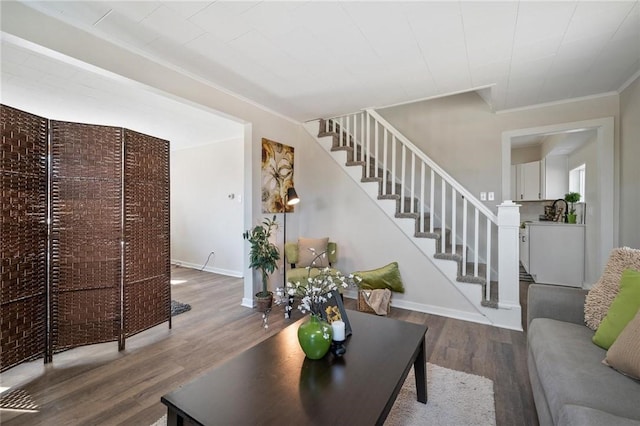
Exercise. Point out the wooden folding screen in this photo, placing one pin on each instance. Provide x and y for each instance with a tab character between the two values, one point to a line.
99	271
23	237
86	230
147	293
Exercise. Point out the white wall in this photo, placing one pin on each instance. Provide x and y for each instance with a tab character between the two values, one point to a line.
203	217
463	135
629	169
588	154
525	155
460	133
333	205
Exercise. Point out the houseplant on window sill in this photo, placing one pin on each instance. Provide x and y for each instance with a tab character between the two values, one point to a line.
263	256
572	198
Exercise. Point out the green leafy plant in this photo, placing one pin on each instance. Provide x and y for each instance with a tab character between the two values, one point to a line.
264	255
572	198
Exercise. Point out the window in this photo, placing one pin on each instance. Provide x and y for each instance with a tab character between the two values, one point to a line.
576	181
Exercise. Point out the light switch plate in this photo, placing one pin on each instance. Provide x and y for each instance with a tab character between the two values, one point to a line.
492	196
483	196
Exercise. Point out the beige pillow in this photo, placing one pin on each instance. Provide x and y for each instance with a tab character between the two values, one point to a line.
309	249
624	354
601	295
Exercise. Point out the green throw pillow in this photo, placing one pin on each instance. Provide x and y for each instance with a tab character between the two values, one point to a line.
385	277
622	310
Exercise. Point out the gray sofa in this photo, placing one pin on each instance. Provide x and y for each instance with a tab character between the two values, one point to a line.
570	384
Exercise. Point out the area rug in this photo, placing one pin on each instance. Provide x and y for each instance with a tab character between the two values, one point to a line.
18	400
178	308
455	398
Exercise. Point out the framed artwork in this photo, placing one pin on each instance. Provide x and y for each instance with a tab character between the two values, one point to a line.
333	310
277	176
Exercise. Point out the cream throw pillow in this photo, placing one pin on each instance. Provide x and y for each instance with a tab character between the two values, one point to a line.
309	249
601	295
624	354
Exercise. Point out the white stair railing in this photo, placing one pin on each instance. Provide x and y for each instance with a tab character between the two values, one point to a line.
443	205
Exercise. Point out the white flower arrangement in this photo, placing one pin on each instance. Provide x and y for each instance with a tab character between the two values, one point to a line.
315	291
312	293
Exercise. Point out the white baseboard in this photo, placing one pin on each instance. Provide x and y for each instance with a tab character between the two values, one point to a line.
228	272
431	309
247	303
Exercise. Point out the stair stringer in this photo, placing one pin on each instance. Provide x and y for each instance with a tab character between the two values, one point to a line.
472	292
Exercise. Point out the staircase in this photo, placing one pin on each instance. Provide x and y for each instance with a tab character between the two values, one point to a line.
447	223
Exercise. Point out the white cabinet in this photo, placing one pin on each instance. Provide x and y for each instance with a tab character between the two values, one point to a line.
524	247
554	177
547	179
556	253
528	181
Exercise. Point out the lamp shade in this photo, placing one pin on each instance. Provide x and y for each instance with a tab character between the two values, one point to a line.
292	197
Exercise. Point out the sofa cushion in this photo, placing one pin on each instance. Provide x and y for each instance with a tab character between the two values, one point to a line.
624	354
575	415
387	276
605	290
570	371
621	311
308	251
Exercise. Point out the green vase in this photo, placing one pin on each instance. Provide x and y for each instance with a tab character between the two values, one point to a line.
315	337
572	217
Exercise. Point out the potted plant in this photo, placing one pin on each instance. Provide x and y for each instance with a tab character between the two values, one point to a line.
572	198
264	256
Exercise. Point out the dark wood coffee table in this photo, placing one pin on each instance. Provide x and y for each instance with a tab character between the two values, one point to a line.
274	383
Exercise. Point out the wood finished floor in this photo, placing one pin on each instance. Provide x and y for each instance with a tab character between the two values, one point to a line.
99	385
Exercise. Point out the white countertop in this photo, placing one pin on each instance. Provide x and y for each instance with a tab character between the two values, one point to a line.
550	223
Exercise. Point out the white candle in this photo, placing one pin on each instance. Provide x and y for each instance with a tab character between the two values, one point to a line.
338	330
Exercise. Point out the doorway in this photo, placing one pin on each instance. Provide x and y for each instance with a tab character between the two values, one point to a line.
602	231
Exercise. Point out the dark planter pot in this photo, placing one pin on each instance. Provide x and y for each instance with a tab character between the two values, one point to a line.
263	303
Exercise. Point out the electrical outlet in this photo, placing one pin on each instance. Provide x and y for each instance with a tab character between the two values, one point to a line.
492	196
483	196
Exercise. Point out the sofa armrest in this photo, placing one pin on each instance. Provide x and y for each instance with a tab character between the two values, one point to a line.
555	302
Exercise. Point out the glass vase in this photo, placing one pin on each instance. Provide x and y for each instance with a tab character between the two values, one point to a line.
314	336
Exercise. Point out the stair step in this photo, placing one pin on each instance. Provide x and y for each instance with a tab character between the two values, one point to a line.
391	188
447	238
493	297
431	235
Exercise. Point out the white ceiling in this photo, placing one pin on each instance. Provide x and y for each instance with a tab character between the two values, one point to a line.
564	143
308	59
59	90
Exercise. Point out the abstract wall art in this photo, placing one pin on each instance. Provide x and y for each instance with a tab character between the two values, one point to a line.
277	176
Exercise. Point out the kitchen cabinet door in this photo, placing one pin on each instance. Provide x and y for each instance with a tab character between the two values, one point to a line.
555	177
529	181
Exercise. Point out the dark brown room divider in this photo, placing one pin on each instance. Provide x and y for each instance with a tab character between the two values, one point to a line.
23	237
86	230
99	271
147	296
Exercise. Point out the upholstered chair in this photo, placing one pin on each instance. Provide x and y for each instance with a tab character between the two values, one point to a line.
309	252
